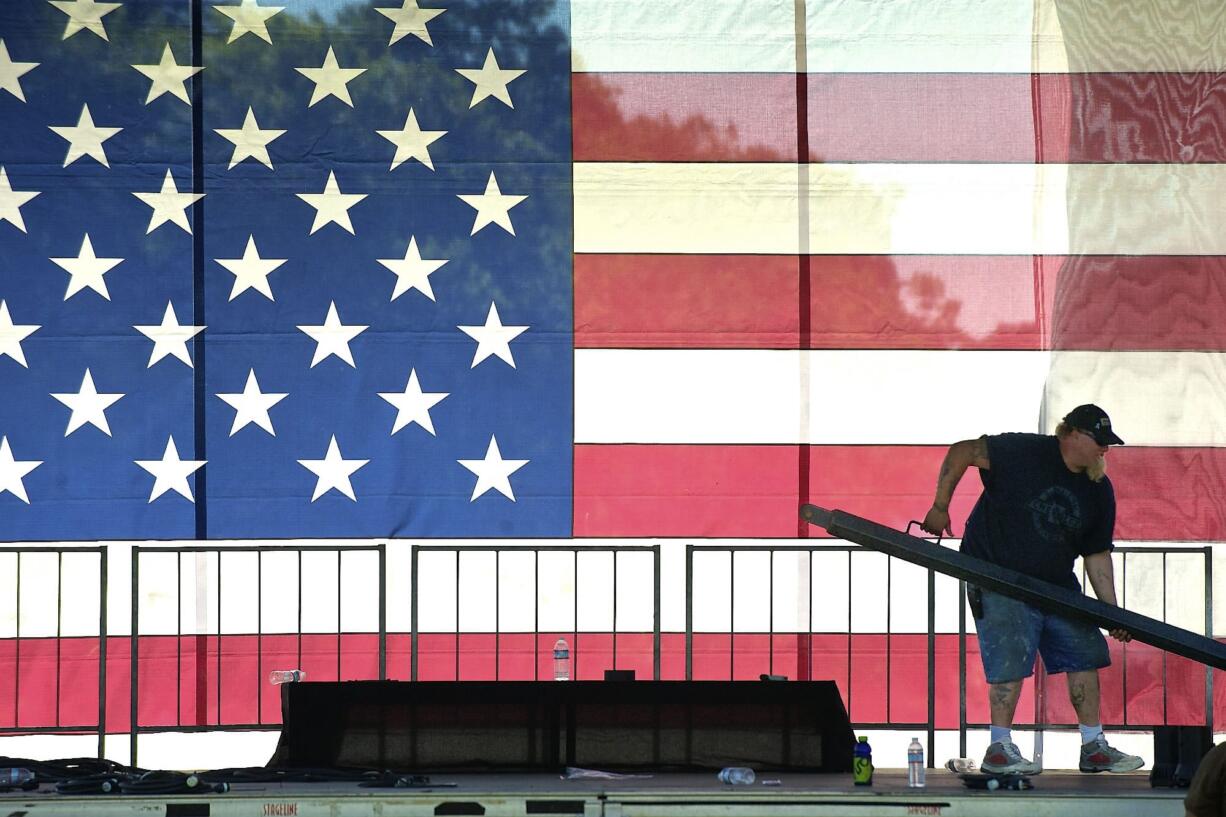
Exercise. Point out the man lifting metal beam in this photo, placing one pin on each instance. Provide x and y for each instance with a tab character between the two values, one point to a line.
1046	501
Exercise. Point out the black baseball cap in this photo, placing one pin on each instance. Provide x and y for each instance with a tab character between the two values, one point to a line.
1092	419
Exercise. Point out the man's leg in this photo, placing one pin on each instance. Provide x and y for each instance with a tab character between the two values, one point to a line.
1008	637
1002	698
1077	649
1083	694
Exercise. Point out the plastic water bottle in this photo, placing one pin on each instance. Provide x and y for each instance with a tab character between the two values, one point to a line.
736	776
915	764
862	763
286	676
561	660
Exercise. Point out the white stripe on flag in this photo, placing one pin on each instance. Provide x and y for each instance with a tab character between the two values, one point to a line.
907	209
787	396
683	35
1154	398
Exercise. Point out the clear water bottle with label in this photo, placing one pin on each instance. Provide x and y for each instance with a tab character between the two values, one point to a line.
561	660
286	676
736	776
915	764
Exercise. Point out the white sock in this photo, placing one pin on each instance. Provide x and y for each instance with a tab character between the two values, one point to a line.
1003	734
1088	733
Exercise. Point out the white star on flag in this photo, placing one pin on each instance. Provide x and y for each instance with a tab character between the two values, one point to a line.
12	471
85	138
333	471
250	18
492	206
490	80
413	405
412	271
85	14
411	142
168	77
493	472
169	205
171	473
410	19
332	206
11	201
251	271
11	335
12	72
493	338
331	80
169	338
87	270
332	338
88	406
249	141
252	405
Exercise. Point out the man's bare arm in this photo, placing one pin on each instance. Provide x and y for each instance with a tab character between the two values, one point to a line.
1100	570
961	455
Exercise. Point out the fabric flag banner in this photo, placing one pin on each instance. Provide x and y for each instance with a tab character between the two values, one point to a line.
284	271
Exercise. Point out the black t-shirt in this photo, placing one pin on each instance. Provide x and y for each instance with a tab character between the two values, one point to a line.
1035	515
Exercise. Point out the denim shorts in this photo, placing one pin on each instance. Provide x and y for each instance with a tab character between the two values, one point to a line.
1011	631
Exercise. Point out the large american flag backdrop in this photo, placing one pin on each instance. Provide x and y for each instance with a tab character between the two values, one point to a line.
632	271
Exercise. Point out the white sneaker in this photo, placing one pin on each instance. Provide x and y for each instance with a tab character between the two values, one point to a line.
1003	757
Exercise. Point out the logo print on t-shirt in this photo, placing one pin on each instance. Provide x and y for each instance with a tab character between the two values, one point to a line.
1056	514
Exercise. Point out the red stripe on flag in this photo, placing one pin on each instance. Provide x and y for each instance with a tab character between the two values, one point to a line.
684	117
1137	302
899	117
1108	303
1165	494
856	302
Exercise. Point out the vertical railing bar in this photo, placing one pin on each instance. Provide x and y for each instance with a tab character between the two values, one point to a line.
1208	554
770	600
932	667
179	639
457	614
382	550
59	629
259	637
133	651
536	614
689	612
1124	646
889	637
413	565
1165	688
497	613
655	665
849	632
340	567
731	614
298	664
809	620
219	637
102	648
17	652
615	565
961	668
574	645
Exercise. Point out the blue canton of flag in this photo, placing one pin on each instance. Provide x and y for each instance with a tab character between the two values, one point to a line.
296	270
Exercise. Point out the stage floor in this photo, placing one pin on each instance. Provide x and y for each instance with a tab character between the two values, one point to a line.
1060	794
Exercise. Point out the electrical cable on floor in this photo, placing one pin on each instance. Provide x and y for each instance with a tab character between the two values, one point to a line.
99	776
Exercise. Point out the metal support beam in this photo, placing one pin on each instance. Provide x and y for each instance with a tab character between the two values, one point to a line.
1048	596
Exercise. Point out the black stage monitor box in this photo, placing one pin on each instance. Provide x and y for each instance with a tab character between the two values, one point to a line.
544	726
